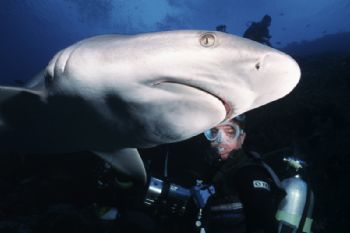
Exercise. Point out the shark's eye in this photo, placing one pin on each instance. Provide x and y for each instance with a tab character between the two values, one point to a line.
207	40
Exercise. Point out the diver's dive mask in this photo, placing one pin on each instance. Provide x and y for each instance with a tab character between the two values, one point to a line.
226	131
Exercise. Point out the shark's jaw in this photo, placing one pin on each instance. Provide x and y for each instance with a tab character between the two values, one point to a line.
228	107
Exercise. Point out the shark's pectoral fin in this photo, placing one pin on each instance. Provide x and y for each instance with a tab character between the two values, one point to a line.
7	93
126	161
16	102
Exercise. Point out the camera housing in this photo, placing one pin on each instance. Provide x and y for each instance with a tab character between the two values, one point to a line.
168	195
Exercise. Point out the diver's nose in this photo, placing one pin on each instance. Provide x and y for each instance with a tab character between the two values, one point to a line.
220	137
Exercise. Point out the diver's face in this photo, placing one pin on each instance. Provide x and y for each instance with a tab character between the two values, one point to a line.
229	138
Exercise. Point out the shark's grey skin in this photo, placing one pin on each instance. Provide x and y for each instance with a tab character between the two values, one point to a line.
112	92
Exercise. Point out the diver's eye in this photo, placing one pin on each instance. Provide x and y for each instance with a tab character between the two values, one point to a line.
207	40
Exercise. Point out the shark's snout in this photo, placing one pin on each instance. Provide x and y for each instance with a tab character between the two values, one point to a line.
276	75
282	63
286	68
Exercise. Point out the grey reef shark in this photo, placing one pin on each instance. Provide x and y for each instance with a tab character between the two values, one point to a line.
111	94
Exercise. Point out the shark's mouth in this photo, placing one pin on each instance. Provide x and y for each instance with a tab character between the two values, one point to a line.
228	107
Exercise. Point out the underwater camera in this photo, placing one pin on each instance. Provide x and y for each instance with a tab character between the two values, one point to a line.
175	198
166	195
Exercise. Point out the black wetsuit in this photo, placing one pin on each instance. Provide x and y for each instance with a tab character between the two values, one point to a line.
258	32
245	200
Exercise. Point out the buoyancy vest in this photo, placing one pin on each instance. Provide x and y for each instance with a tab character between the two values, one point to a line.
224	211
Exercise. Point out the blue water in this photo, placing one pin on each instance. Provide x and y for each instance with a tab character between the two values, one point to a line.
33	31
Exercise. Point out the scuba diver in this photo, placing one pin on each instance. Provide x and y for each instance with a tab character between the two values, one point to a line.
246	197
259	31
249	197
237	191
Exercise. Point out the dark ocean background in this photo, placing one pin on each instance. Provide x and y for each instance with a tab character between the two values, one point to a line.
68	193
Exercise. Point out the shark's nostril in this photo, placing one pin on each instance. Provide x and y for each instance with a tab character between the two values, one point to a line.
257	66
